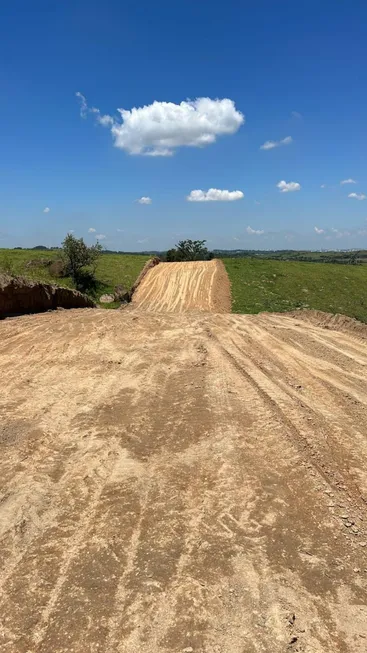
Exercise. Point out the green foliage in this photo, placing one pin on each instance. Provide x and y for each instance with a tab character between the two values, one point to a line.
266	285
77	256
189	250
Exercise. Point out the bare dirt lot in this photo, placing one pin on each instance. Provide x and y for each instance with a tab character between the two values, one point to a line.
182	483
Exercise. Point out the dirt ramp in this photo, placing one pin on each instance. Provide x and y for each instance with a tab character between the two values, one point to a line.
182	287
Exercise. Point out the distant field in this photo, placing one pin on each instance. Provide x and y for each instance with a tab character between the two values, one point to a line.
112	269
257	284
263	285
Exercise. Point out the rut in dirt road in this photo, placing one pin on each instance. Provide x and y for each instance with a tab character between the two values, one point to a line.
182	287
173	483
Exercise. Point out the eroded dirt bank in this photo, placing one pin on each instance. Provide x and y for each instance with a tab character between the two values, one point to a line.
177	483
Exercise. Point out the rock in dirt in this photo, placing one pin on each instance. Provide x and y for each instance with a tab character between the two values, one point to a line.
106	299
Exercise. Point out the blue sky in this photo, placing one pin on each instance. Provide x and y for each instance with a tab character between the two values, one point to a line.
293	70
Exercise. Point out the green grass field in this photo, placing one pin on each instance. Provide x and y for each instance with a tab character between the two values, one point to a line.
257	285
112	269
262	285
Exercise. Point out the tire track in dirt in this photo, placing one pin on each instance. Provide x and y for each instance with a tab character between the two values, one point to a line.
167	485
182	287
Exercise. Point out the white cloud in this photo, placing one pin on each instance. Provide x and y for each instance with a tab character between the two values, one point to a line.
214	195
289	187
256	232
83	104
84	110
357	196
144	200
121	231
71	231
100	236
270	145
158	128
296	114
143	240
91	230
46	209
323	186
347	181
319	231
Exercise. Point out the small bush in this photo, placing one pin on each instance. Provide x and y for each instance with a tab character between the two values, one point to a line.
78	256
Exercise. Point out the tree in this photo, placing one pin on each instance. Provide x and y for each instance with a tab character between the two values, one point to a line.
171	255
78	255
189	250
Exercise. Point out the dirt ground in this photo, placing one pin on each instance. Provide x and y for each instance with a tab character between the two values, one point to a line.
182	287
182	483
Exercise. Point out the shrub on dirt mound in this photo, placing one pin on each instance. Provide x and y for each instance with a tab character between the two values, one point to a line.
19	296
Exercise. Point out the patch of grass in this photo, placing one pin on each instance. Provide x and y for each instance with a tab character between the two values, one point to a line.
112	269
266	285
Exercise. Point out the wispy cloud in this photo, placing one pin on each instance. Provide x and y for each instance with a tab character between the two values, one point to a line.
297	115
91	230
254	232
357	196
347	181
47	209
121	231
100	236
214	195
288	187
270	145
144	200
319	231
159	128
143	240
323	186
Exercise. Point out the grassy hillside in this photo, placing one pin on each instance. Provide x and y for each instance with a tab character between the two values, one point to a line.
263	285
112	269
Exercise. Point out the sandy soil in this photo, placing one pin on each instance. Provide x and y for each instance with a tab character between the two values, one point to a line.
182	483
182	287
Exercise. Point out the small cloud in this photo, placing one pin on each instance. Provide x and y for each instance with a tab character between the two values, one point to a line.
319	231
357	196
91	230
46	209
100	236
288	187
323	186
214	195
236	238
256	232
144	200
270	145
121	231
348	181
257	202
143	240
71	231
159	128
83	104
297	115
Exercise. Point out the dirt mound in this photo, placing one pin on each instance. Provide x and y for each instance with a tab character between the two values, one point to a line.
173	483
19	296
335	322
182	287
